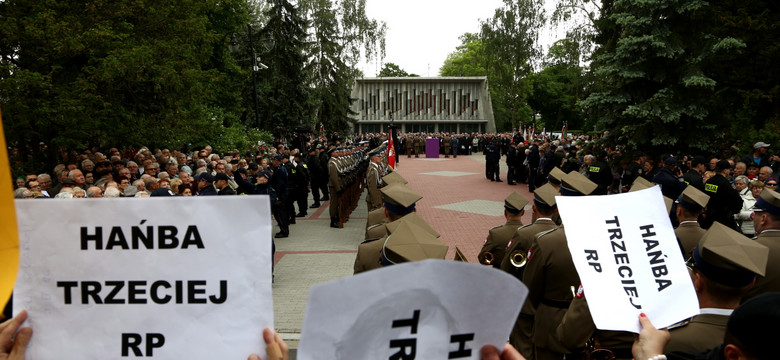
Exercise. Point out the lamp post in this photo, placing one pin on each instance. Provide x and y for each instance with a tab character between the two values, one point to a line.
268	44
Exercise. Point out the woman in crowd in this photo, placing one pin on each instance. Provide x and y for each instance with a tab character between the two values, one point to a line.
748	200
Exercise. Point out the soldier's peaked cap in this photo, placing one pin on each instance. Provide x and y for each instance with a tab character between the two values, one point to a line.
728	257
399	199
515	203
409	242
556	175
393	178
641	183
693	199
546	195
575	184
768	201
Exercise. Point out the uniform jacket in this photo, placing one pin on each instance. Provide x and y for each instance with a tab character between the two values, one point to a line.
699	333
724	202
369	255
770	282
497	239
373	183
549	275
689	233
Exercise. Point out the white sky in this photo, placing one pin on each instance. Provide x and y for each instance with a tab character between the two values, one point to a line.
421	33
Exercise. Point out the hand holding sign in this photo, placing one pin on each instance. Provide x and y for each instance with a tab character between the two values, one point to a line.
13	344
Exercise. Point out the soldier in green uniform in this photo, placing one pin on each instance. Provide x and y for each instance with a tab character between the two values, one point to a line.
549	274
544	208
690	205
419	140
721	275
374	182
334	186
399	202
766	220
498	237
446	142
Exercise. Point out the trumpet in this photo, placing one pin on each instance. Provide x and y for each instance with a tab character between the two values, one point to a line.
518	258
487	258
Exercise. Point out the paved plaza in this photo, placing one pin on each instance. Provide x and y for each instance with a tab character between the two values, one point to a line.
458	201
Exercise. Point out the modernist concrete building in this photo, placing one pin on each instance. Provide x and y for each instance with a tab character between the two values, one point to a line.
428	104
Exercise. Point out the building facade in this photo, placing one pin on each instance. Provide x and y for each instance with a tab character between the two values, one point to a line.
423	104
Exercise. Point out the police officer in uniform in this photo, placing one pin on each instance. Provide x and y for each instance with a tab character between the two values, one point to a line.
689	206
724	200
498	237
544	209
549	274
721	275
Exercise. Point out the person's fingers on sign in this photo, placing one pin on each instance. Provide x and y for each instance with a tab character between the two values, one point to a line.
14	344
489	352
276	348
650	341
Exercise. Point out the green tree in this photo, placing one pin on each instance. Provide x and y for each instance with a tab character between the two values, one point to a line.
75	74
467	60
509	45
393	70
340	33
669	69
283	91
558	87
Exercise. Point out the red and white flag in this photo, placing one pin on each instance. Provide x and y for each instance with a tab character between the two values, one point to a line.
390	150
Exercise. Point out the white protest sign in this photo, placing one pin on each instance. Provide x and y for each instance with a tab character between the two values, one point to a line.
432	309
166	278
628	258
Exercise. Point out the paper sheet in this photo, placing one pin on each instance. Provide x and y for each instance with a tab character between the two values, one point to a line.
436	309
628	258
202	291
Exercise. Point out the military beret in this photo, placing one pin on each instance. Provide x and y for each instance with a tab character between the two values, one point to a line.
409	242
728	257
399	199
753	324
768	201
693	199
545	195
576	184
415	219
515	203
394	178
556	175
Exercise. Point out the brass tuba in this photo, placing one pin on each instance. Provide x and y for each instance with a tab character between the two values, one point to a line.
487	258
518	258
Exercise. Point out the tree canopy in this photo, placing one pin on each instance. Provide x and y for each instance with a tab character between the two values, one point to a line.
393	70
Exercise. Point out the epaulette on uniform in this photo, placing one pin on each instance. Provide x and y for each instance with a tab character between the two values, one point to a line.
543	233
679	324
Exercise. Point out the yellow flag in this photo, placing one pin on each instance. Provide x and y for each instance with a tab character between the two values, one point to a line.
9	235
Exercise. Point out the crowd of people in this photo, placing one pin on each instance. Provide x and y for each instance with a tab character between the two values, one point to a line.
709	200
